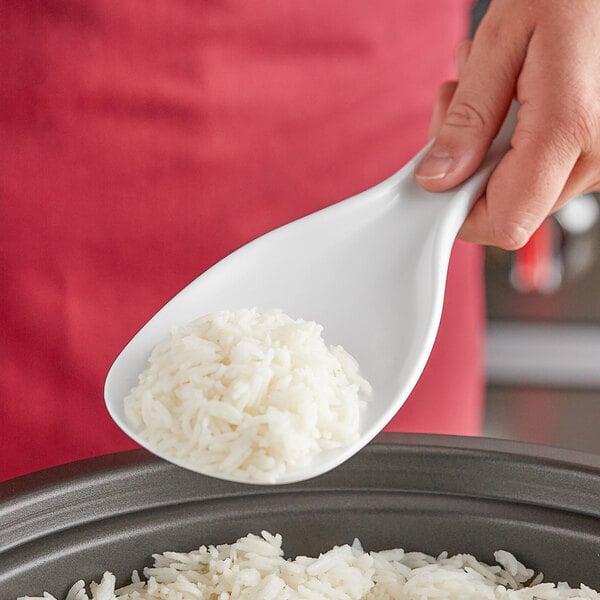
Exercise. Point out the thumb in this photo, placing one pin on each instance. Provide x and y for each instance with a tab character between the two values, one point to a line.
477	110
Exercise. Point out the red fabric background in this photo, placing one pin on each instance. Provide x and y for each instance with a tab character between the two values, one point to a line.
142	141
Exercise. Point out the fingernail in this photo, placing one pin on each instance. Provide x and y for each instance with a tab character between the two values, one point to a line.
436	165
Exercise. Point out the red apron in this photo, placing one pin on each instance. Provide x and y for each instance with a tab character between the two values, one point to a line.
140	142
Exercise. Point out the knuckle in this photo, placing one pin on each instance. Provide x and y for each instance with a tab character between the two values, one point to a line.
468	114
577	126
586	124
512	235
555	137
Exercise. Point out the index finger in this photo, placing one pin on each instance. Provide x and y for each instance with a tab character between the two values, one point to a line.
526	184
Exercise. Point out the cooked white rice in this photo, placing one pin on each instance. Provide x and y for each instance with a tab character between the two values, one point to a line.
247	395
253	568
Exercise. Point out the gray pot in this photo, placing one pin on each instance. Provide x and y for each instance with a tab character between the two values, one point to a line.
428	493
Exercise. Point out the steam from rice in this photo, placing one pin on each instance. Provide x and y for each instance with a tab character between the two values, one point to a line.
247	395
253	568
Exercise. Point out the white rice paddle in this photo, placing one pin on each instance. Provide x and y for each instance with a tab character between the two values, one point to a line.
371	269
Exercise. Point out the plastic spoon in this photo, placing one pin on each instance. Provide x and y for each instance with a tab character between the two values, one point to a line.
371	269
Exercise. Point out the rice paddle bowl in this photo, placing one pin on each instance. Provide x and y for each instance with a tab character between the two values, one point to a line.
371	270
247	396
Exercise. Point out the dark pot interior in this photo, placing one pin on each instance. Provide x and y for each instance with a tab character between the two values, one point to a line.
428	493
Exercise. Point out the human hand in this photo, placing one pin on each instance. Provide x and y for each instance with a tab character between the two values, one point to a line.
546	53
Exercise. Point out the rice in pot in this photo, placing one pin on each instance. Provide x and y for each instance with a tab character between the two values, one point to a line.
253	568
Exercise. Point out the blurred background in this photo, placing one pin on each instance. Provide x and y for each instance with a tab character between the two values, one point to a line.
543	338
